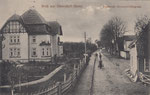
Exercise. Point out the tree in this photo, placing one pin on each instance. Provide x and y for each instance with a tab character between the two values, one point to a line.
140	24
15	76
111	32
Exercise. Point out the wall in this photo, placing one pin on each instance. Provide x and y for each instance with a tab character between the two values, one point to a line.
126	44
23	47
54	41
60	50
39	39
133	60
0	48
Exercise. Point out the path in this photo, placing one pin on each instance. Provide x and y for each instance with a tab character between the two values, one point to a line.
107	81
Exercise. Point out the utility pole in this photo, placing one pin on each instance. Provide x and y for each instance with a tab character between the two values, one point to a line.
85	54
85	41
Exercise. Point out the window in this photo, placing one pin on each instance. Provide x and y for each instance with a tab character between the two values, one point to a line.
18	52
43	51
14	39
34	52
146	66
47	51
14	52
18	39
11	52
33	39
11	39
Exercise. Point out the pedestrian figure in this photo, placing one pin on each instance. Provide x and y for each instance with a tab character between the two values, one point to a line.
100	61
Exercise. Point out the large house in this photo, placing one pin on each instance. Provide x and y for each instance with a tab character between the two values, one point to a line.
140	56
30	37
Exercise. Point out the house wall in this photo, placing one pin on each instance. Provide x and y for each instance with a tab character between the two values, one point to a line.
60	50
125	54
39	56
0	48
23	45
133	60
126	44
55	48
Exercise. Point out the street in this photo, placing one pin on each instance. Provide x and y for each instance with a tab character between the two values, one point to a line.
107	81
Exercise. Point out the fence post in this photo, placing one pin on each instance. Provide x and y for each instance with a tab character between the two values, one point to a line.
65	77
59	88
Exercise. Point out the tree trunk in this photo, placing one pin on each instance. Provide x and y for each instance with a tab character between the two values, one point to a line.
12	91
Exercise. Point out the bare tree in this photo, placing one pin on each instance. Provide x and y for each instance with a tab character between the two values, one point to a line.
141	23
111	32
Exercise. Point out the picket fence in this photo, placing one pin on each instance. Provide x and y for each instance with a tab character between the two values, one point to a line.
61	88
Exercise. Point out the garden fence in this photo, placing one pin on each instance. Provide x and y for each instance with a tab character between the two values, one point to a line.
61	88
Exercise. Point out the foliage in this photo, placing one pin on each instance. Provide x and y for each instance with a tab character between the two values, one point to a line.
77	49
112	31
5	68
140	24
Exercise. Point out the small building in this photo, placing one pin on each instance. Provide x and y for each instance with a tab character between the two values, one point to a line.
126	40
140	55
30	37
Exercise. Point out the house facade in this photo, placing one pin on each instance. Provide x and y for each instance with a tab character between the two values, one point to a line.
30	38
140	54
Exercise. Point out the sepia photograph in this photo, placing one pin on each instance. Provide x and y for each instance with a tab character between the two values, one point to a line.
75	47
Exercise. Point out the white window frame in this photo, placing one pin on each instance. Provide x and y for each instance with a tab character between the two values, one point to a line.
33	39
34	50
46	51
43	52
14	52
14	39
145	67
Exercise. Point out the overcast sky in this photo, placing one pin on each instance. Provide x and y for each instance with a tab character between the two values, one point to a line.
89	16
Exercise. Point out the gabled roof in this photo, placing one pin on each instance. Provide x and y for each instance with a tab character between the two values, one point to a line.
36	24
55	27
14	17
32	17
131	45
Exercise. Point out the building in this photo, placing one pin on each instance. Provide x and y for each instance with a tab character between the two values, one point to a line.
140	55
30	37
125	41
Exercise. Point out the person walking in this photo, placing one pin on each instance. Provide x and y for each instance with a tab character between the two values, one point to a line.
100	60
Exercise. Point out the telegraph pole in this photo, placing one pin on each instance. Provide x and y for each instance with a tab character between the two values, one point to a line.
85	54
85	41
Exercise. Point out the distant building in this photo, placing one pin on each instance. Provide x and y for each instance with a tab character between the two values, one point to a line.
29	37
140	55
125	41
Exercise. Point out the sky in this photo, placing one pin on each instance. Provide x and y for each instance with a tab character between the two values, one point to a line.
79	16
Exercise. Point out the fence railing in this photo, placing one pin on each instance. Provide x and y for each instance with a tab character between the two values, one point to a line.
61	88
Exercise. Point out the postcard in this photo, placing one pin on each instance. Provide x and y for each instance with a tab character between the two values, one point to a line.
75	47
